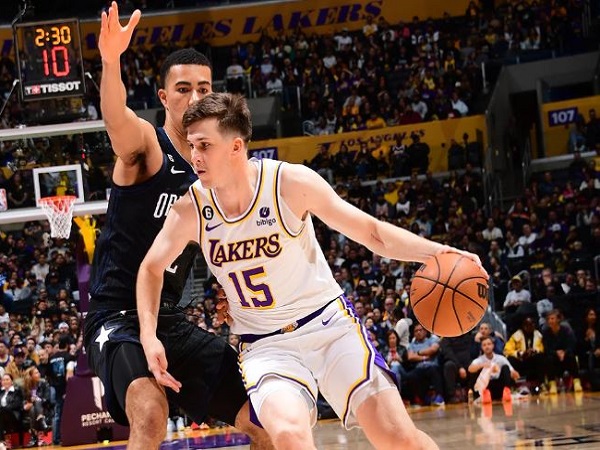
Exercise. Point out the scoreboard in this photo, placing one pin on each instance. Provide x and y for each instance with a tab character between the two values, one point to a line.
49	59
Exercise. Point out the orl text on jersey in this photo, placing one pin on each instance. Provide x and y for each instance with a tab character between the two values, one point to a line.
243	250
163	204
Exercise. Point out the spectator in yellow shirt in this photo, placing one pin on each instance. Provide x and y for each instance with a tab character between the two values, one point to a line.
375	121
351	106
449	62
391	193
379	149
525	351
428	80
369	28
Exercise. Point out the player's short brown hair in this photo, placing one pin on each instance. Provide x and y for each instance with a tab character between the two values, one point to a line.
231	111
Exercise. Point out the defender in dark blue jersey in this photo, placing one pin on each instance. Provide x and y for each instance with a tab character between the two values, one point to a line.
152	171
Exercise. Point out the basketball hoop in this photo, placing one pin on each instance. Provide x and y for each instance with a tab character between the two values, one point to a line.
59	211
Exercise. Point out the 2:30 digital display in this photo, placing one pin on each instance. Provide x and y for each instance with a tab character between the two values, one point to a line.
49	59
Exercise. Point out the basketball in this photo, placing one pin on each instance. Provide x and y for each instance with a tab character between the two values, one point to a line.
449	294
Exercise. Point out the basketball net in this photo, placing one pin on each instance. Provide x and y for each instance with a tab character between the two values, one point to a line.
59	211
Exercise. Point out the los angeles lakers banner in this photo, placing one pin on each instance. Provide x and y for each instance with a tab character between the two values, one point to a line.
559	118
227	25
435	134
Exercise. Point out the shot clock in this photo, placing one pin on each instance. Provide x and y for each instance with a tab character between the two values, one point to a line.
49	59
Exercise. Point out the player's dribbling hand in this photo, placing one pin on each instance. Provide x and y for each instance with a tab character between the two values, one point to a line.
157	363
222	308
114	39
472	256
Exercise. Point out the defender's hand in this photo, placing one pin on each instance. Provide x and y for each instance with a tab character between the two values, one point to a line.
157	363
114	39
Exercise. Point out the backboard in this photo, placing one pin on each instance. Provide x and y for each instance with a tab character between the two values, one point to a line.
58	180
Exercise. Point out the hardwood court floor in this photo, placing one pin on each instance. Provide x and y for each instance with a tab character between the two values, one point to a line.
565	421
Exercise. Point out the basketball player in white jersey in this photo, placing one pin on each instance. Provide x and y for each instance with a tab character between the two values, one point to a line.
297	331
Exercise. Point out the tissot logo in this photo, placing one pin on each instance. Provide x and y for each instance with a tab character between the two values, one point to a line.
37	89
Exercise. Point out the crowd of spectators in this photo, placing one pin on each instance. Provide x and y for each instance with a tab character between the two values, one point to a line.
381	75
539	253
40	329
400	73
390	73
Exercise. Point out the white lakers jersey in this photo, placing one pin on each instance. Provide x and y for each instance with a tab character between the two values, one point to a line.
268	261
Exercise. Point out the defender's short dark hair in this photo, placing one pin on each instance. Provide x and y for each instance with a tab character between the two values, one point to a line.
179	57
231	111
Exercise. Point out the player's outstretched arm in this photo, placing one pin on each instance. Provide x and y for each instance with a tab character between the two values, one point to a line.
180	228
306	191
127	132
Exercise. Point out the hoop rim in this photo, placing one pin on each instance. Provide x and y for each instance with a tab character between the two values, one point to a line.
55	198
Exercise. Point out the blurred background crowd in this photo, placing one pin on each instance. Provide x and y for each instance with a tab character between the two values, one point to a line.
540	249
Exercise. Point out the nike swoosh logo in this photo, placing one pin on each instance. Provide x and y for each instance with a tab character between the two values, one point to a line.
326	322
175	171
209	228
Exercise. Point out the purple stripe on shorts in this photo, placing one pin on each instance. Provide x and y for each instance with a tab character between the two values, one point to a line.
379	361
253	416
